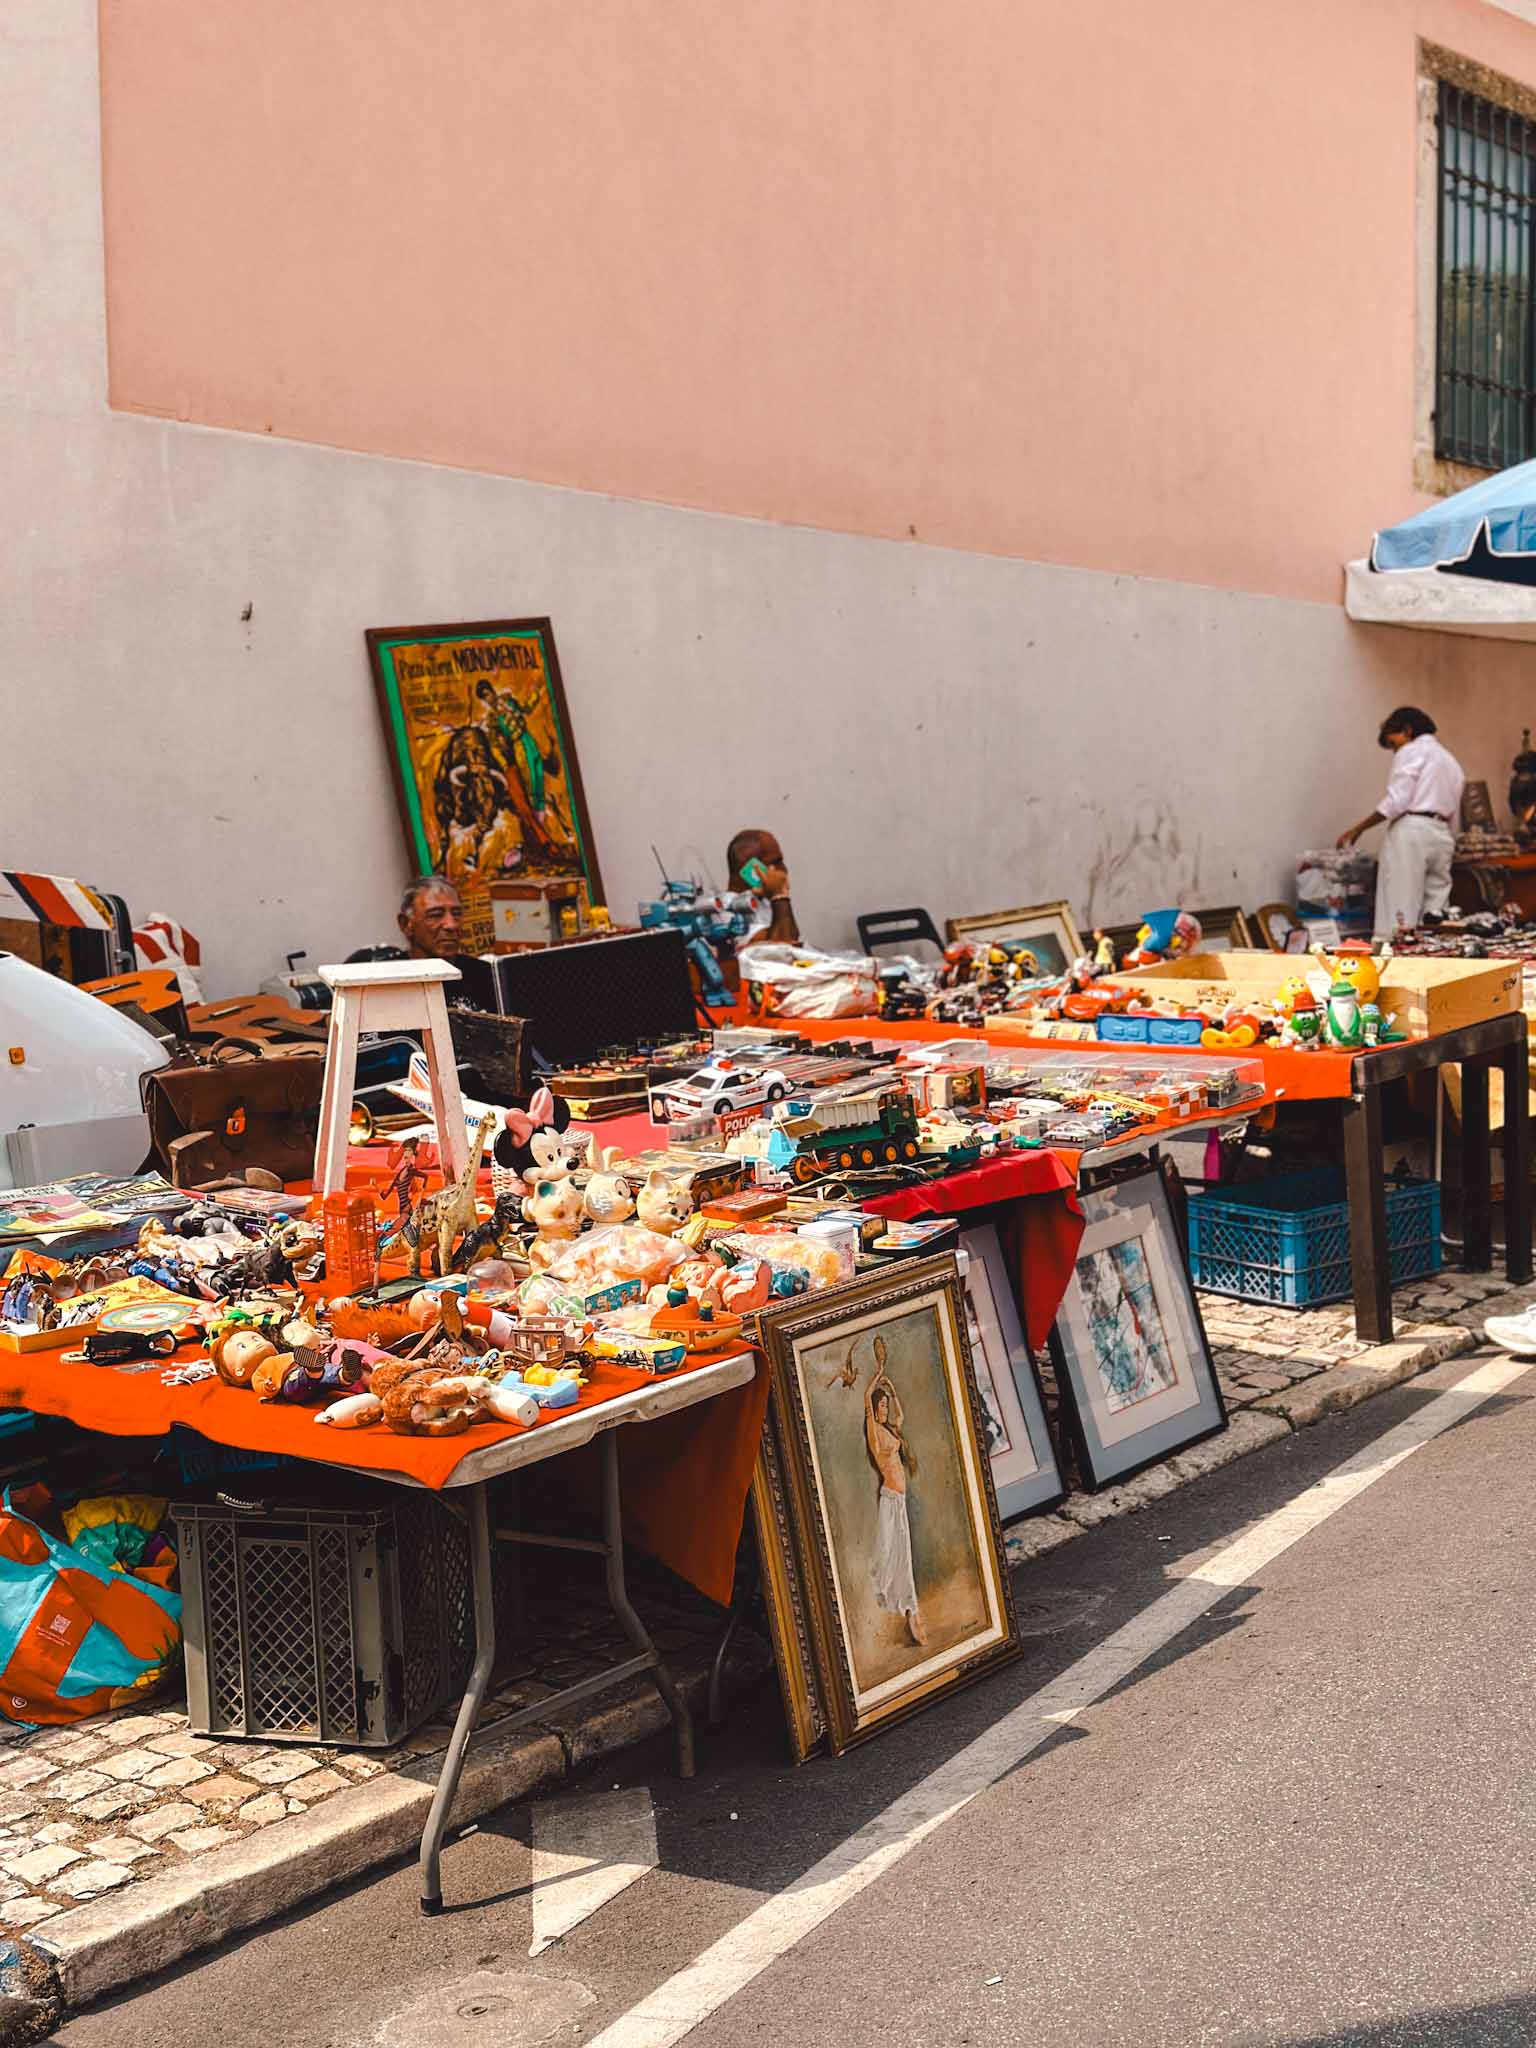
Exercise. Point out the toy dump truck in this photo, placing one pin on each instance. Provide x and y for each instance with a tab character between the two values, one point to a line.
846	1128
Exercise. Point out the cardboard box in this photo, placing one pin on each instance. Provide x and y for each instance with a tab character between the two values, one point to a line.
1423	996
527	913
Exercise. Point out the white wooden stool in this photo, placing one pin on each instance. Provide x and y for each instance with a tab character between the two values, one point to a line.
388	995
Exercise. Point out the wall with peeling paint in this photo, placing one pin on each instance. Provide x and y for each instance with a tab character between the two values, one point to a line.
920	725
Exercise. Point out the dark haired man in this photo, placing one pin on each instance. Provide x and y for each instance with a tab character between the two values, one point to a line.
755	862
1420	810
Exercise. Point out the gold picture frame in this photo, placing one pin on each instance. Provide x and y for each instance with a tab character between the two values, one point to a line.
889	1519
1047	927
784	1598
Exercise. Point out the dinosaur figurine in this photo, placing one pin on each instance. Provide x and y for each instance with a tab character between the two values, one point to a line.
449	1212
489	1239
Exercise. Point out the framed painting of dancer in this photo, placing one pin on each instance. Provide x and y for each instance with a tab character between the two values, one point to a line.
890	1493
1130	1351
484	759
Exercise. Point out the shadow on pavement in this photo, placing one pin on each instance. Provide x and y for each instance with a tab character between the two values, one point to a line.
1504	2023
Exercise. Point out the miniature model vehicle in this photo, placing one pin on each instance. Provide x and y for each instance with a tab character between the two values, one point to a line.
846	1128
717	1090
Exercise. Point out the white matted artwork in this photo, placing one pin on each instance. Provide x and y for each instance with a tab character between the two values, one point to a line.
1129	1346
1025	1473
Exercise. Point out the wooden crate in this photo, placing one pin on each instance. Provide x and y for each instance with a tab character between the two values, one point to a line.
1423	996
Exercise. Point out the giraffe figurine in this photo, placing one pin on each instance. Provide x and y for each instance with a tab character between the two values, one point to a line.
451	1210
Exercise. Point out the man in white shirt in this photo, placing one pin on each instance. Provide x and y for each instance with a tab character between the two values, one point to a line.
1419	810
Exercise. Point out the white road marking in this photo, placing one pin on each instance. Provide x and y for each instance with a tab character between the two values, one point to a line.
585	1852
728	1965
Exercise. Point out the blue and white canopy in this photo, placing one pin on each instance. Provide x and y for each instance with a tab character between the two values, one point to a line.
1465	565
1487	530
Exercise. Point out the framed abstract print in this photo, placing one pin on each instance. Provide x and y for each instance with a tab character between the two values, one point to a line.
1025	1473
889	1493
1130	1352
484	759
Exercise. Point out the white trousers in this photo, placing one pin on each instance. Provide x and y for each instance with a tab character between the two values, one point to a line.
1413	874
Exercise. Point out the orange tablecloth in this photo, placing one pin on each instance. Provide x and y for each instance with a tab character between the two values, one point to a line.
1289	1075
686	1476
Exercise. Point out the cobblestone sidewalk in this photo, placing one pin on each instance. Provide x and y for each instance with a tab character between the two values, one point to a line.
94	1809
88	1809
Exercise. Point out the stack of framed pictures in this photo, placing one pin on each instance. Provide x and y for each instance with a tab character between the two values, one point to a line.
883	1565
907	1423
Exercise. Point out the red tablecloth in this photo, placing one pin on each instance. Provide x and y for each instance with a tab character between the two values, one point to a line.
1045	1222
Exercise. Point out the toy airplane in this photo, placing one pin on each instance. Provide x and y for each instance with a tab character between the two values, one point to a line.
416	1089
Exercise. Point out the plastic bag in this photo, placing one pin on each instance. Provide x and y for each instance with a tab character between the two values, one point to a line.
114	1529
77	1635
797	981
601	1260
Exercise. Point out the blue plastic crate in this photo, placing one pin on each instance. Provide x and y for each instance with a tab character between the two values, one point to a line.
1286	1240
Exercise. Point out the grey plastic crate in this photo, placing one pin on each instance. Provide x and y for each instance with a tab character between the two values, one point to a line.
323	1625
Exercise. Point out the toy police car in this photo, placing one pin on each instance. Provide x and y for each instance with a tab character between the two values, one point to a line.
718	1089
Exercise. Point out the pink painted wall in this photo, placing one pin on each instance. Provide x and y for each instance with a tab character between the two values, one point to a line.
1123	285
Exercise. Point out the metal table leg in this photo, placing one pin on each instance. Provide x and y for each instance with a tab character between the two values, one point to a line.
625	1615
1368	1257
1476	1169
469	1706
1514	1064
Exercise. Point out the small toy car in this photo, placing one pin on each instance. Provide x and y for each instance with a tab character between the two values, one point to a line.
717	1090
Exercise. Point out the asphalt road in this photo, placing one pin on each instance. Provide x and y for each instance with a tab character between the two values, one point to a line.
1307	1820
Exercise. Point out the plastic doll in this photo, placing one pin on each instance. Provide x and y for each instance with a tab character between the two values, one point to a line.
409	1177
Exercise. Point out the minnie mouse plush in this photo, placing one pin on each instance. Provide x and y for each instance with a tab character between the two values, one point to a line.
533	1143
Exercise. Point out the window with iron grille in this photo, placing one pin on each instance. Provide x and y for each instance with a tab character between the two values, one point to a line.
1485	386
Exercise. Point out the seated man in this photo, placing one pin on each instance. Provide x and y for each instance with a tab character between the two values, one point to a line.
431	921
756	863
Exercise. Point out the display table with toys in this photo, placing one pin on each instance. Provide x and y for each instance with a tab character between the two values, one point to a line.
1493	1040
701	1446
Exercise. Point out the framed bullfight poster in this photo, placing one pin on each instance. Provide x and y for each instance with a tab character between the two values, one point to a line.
484	758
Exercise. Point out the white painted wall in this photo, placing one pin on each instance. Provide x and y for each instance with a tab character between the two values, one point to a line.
919	726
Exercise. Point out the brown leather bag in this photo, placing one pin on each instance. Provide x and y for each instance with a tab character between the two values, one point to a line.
210	1121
